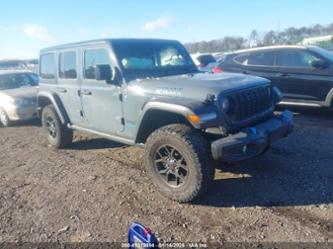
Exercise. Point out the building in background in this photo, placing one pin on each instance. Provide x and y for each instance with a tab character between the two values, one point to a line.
325	42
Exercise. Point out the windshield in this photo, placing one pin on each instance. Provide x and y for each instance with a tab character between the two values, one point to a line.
141	59
323	52
12	81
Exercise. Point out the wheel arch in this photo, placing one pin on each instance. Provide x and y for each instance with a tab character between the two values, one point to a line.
46	98
155	118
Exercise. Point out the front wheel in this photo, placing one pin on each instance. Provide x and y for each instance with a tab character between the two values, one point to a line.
179	162
4	120
58	135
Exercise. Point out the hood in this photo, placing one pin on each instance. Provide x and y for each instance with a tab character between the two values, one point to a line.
23	92
196	86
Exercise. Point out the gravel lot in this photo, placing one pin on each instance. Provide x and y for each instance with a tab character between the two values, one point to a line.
95	189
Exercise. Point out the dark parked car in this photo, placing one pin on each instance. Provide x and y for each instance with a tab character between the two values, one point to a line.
304	74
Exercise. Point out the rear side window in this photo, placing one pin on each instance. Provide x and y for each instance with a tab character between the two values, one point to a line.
297	58
261	58
242	59
92	58
47	66
67	65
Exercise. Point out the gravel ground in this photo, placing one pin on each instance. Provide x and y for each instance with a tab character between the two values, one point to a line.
95	189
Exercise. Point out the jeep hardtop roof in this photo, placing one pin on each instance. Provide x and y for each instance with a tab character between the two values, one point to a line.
102	41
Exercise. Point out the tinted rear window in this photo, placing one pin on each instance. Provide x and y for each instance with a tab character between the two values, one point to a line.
67	65
260	58
47	66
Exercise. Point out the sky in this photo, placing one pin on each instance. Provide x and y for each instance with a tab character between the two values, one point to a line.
27	26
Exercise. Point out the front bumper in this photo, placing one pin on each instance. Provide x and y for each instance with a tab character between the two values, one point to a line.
16	113
252	141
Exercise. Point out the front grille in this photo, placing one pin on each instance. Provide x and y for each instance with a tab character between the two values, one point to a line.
249	104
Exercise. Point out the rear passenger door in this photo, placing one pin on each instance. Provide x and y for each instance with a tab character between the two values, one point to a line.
258	63
298	79
68	84
101	101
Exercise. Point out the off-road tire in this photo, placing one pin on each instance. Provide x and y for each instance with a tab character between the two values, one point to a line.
194	148
63	136
4	120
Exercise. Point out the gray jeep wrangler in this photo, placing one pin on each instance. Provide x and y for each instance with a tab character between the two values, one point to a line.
149	92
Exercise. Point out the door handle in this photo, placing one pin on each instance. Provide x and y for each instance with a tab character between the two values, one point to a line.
61	89
86	92
246	72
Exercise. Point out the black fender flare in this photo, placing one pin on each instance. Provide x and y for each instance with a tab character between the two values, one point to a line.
180	108
56	102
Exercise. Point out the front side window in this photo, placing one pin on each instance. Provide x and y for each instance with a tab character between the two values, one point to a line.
67	65
92	58
297	59
324	53
47	66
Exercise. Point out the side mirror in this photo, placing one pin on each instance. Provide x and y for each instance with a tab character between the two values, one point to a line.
319	64
103	72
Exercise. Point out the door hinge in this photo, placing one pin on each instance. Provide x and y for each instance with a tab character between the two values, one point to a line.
81	114
121	97
122	120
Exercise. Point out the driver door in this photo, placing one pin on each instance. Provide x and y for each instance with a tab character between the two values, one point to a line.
101	105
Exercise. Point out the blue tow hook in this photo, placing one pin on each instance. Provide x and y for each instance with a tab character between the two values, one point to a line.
252	131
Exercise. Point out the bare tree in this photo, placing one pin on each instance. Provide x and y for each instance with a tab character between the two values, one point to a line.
290	35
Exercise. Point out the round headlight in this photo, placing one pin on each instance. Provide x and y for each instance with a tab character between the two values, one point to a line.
21	102
18	102
225	105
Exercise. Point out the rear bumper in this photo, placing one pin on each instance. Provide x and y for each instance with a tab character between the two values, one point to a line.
253	141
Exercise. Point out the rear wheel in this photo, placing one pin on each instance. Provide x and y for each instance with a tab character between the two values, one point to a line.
179	162
4	120
58	135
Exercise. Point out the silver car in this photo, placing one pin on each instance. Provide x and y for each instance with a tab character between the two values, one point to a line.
18	91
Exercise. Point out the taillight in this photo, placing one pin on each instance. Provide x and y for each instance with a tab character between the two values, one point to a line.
217	70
